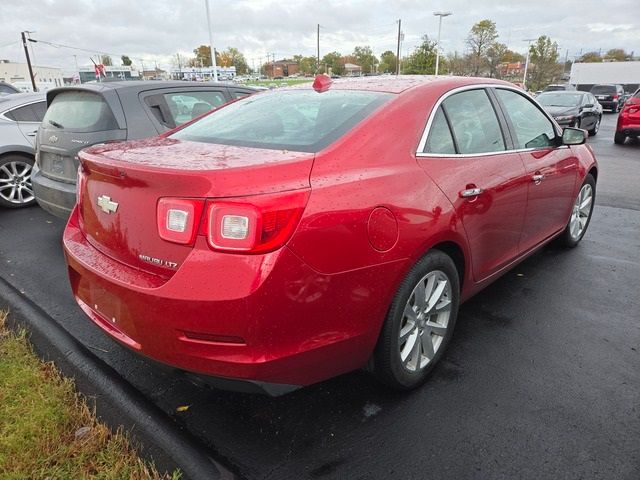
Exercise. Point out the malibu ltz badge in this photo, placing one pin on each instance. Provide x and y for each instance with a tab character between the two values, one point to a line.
106	205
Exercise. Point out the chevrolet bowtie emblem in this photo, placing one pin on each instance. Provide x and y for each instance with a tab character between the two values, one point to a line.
107	206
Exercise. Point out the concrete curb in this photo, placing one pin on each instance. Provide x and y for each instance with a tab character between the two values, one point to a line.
117	402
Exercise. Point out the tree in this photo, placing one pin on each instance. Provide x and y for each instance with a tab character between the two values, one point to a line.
106	60
481	37
459	65
232	57
543	63
388	62
590	57
332	62
617	54
203	57
126	61
306	65
365	58
513	57
495	56
422	60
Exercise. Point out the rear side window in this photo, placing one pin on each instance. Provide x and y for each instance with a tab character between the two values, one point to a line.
297	120
185	106
28	113
474	122
637	94
532	128
440	139
80	111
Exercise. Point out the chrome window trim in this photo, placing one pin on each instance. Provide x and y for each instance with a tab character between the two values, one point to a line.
2	115
427	128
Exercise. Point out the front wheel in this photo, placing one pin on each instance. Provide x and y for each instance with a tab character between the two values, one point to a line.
419	323
580	214
596	127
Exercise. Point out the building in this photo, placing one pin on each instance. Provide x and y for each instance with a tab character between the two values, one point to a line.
511	71
155	74
201	74
586	75
123	72
352	70
281	68
17	74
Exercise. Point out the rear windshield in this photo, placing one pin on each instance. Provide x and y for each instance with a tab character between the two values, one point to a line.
79	111
603	89
302	120
559	99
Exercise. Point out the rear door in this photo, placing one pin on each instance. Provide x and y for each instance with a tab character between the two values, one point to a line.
76	119
471	159
28	118
551	169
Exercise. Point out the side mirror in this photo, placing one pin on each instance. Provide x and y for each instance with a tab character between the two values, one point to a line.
573	136
588	105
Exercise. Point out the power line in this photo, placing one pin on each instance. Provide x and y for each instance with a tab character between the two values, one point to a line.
92	51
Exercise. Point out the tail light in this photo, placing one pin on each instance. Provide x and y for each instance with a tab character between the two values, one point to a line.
178	219
80	181
255	224
615	97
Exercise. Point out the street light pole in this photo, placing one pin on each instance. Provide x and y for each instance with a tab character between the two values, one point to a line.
213	50
439	14
526	62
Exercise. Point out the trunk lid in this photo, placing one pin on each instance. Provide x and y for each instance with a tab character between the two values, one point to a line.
120	186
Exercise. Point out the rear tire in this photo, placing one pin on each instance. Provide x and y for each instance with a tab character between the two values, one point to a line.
15	181
419	323
580	214
619	138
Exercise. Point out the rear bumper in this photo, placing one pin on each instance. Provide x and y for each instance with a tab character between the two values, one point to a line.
57	198
268	319
609	104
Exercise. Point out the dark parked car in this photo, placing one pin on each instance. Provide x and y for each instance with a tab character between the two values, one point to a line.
559	87
573	109
20	117
610	97
629	119
306	232
88	114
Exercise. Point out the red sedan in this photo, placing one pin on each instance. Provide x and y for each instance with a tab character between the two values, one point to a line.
628	120
299	234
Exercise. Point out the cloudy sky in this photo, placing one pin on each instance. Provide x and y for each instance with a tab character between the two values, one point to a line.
154	30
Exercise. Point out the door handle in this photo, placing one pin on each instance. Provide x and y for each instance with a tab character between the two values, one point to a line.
470	192
537	178
32	134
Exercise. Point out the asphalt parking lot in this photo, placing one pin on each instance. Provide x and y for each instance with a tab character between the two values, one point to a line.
542	379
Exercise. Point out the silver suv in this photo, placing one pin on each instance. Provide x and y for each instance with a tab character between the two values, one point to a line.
88	114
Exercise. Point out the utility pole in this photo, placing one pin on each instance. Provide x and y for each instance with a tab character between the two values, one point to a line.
26	52
273	64
318	45
398	50
213	50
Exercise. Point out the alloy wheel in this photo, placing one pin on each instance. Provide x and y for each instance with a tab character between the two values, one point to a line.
425	321
15	182
581	212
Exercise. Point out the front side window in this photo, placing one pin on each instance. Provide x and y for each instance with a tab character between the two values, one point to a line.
531	127
185	106
297	120
474	122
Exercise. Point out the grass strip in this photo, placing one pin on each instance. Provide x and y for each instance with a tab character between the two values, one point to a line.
47	430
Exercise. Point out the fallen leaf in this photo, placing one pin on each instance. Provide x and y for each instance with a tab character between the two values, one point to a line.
182	408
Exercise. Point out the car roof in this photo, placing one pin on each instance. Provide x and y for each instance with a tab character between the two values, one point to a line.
563	92
137	86
16	99
399	84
